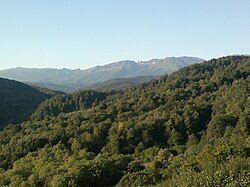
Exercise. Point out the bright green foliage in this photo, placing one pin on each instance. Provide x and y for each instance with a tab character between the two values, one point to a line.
190	128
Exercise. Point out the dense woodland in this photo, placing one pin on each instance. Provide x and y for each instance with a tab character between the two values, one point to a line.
190	128
68	103
18	100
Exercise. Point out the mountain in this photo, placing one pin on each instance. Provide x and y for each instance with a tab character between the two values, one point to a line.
19	100
189	128
120	83
69	80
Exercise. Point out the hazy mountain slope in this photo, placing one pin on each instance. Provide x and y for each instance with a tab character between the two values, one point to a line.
112	84
120	83
66	88
18	100
163	66
69	80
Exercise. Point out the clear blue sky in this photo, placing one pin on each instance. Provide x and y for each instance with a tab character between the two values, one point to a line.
82	34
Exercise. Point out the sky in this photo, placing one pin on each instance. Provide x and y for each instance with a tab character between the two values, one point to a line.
85	33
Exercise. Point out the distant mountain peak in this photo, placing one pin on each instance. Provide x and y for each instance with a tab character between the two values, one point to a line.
152	61
68	80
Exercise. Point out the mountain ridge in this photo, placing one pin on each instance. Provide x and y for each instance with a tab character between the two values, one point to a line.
70	80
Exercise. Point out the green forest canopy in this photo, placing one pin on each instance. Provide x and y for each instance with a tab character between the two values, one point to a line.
190	128
19	100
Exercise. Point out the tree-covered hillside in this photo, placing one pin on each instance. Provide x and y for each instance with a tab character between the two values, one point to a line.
68	103
18	100
190	128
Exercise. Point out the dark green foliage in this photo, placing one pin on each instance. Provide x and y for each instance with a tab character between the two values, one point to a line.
190	128
18	100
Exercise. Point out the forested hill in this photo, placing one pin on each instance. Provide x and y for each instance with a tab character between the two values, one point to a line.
69	103
18	100
190	128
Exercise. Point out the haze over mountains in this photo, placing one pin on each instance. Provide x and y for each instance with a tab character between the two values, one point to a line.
70	80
